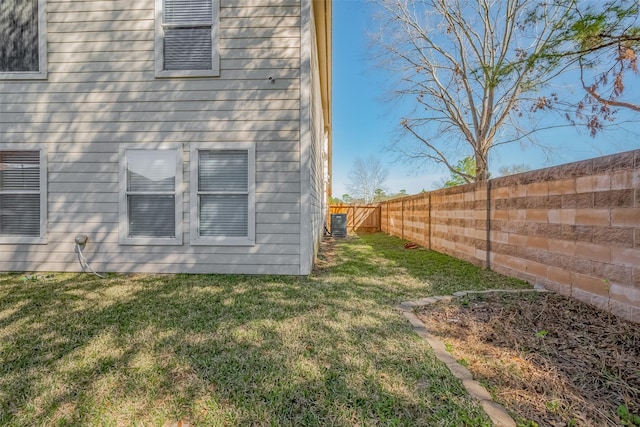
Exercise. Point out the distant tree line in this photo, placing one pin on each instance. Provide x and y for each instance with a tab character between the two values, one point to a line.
379	196
368	176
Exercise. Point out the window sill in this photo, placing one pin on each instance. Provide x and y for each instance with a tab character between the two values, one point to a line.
187	73
23	76
150	241
23	240
223	241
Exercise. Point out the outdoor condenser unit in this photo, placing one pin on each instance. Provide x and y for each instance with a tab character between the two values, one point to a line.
339	225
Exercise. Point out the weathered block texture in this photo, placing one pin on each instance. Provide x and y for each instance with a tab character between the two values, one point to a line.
574	228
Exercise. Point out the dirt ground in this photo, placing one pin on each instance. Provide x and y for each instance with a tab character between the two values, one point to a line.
549	360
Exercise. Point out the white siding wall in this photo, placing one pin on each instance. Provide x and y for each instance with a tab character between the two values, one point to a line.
318	156
311	144
101	92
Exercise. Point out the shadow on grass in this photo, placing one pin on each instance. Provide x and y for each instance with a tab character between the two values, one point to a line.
228	350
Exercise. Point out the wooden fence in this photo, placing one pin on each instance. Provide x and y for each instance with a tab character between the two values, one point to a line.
360	218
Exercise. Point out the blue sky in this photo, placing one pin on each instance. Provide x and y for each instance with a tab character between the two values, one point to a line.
364	124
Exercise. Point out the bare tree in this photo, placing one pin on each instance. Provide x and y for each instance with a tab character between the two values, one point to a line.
474	69
365	178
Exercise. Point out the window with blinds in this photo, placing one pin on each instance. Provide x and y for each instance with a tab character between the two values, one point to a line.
22	196
224	192
150	211
22	32
187	34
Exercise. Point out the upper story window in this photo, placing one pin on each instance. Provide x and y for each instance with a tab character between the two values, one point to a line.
23	194
23	39
187	38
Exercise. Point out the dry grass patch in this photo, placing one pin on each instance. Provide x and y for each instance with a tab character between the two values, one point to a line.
550	360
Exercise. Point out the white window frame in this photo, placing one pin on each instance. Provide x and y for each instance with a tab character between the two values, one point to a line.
215	48
41	74
42	239
124	238
194	203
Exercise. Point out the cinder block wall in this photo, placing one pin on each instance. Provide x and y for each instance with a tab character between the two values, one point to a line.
573	228
459	222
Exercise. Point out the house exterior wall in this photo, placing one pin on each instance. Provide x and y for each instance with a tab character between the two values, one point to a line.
101	92
314	203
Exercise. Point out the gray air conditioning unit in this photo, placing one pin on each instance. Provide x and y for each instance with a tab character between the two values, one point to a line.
339	225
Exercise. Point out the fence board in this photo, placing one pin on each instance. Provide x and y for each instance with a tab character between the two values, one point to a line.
360	218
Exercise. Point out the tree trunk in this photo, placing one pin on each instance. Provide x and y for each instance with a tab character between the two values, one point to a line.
482	171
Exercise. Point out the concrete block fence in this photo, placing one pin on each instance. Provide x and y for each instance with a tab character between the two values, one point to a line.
574	228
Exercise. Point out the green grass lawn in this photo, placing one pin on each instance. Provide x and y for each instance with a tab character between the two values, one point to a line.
330	349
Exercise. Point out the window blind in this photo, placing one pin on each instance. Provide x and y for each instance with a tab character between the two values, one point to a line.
188	34
152	216
20	215
223	193
223	170
151	186
19	35
20	193
187	48
187	11
224	215
20	170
